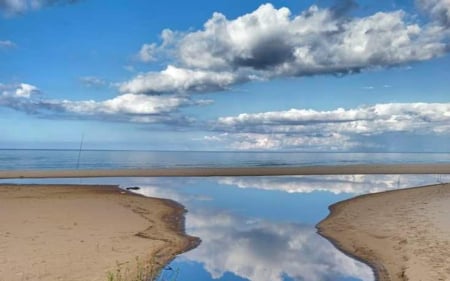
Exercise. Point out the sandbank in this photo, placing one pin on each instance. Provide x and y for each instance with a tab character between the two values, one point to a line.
85	233
443	168
401	234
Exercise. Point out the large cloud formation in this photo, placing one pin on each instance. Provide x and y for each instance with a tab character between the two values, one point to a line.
334	129
270	42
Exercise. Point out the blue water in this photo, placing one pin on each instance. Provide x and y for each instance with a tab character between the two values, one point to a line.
252	228
68	159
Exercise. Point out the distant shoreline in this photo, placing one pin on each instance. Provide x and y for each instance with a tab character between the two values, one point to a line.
234	171
401	234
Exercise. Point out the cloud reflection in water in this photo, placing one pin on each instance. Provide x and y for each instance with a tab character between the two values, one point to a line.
336	184
262	249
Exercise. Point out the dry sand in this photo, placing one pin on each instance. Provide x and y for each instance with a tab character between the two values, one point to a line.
236	171
81	233
402	234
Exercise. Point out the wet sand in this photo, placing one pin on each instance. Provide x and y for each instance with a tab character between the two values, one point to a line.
84	233
402	234
236	171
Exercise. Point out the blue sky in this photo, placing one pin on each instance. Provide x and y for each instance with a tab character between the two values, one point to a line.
225	75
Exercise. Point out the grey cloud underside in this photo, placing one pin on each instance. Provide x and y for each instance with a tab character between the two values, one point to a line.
57	110
269	53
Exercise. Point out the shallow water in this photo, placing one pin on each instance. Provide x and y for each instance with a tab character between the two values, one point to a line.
261	228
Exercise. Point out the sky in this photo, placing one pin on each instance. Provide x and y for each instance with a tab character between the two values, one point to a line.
285	75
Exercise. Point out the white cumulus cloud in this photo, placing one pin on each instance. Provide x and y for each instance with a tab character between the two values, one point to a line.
434	117
334	129
269	43
129	104
316	41
21	90
275	141
128	107
179	80
26	90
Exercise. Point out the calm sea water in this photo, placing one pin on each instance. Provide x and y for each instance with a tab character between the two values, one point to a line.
252	228
100	159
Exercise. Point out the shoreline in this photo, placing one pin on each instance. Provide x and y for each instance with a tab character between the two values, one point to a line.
401	234
234	171
87	232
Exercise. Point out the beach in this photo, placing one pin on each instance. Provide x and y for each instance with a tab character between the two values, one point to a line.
401	234
81	233
75	232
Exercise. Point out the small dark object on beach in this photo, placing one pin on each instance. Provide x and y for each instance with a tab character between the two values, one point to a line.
133	188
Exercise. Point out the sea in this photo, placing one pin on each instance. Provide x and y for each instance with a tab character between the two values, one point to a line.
252	228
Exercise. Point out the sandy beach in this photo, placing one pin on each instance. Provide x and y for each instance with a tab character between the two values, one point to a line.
236	171
402	234
85	233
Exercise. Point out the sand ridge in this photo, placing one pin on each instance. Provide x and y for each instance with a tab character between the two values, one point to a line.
82	233
442	168
401	234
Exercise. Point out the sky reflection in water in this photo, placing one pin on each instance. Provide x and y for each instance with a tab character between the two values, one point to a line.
262	228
